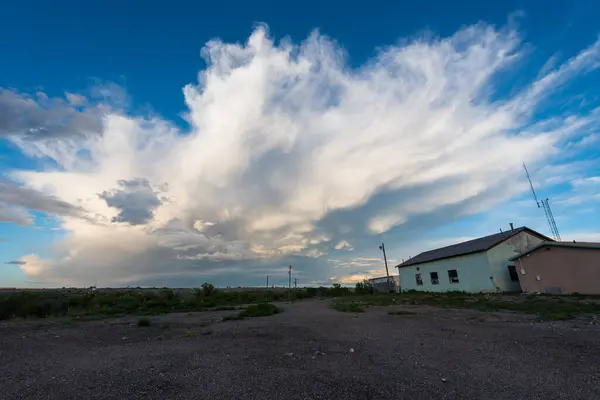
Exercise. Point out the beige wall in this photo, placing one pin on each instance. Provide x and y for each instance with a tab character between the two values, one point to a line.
569	269
498	257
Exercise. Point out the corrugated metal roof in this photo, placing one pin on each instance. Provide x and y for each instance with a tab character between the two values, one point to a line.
471	246
572	245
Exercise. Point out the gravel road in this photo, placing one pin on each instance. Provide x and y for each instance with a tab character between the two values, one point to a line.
307	352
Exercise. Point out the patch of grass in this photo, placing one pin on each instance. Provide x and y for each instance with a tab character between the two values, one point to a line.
259	310
401	313
144	322
188	334
545	306
347	307
253	311
557	316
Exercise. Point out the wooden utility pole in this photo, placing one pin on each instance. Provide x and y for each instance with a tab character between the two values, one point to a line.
387	272
267	291
290	283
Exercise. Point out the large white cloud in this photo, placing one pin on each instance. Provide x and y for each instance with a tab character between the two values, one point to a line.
290	152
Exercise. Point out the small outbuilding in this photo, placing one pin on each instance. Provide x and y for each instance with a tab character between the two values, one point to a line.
380	284
560	267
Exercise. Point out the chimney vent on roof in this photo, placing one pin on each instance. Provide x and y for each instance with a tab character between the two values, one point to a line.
511	226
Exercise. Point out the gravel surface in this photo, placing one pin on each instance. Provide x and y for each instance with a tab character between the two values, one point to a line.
307	352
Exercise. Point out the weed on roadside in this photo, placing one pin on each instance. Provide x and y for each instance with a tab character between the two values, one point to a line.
401	313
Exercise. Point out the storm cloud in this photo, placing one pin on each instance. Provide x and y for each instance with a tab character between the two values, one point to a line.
293	157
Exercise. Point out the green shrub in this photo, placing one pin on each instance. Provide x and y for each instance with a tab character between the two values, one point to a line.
364	287
253	311
167	294
208	289
259	310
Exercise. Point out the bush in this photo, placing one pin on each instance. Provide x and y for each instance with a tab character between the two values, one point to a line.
208	289
253	311
364	287
259	310
167	294
143	322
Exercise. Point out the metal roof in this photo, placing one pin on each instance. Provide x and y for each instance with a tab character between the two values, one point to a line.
572	245
472	246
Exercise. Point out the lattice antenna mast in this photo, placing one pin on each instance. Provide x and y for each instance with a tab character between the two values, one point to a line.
552	221
545	205
531	186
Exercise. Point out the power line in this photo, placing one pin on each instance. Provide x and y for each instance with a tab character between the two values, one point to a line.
290	283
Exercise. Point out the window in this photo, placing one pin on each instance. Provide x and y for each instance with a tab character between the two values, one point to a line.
512	271
419	279
453	275
434	278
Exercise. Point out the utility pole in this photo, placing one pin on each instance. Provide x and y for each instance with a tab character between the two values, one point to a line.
387	272
267	291
295	288
290	283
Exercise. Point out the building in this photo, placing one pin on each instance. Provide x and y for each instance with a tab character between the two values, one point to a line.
381	284
560	267
479	265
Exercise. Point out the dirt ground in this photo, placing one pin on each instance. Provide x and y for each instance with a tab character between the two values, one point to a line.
307	352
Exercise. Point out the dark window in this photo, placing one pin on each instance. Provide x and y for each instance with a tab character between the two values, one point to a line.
419	279
434	278
512	270
453	275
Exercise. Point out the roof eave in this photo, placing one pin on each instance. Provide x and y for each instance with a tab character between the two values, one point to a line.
441	258
552	244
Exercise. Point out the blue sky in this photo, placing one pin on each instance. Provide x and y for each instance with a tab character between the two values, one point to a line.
121	166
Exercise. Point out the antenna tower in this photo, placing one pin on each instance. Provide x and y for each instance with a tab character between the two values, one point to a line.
544	204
